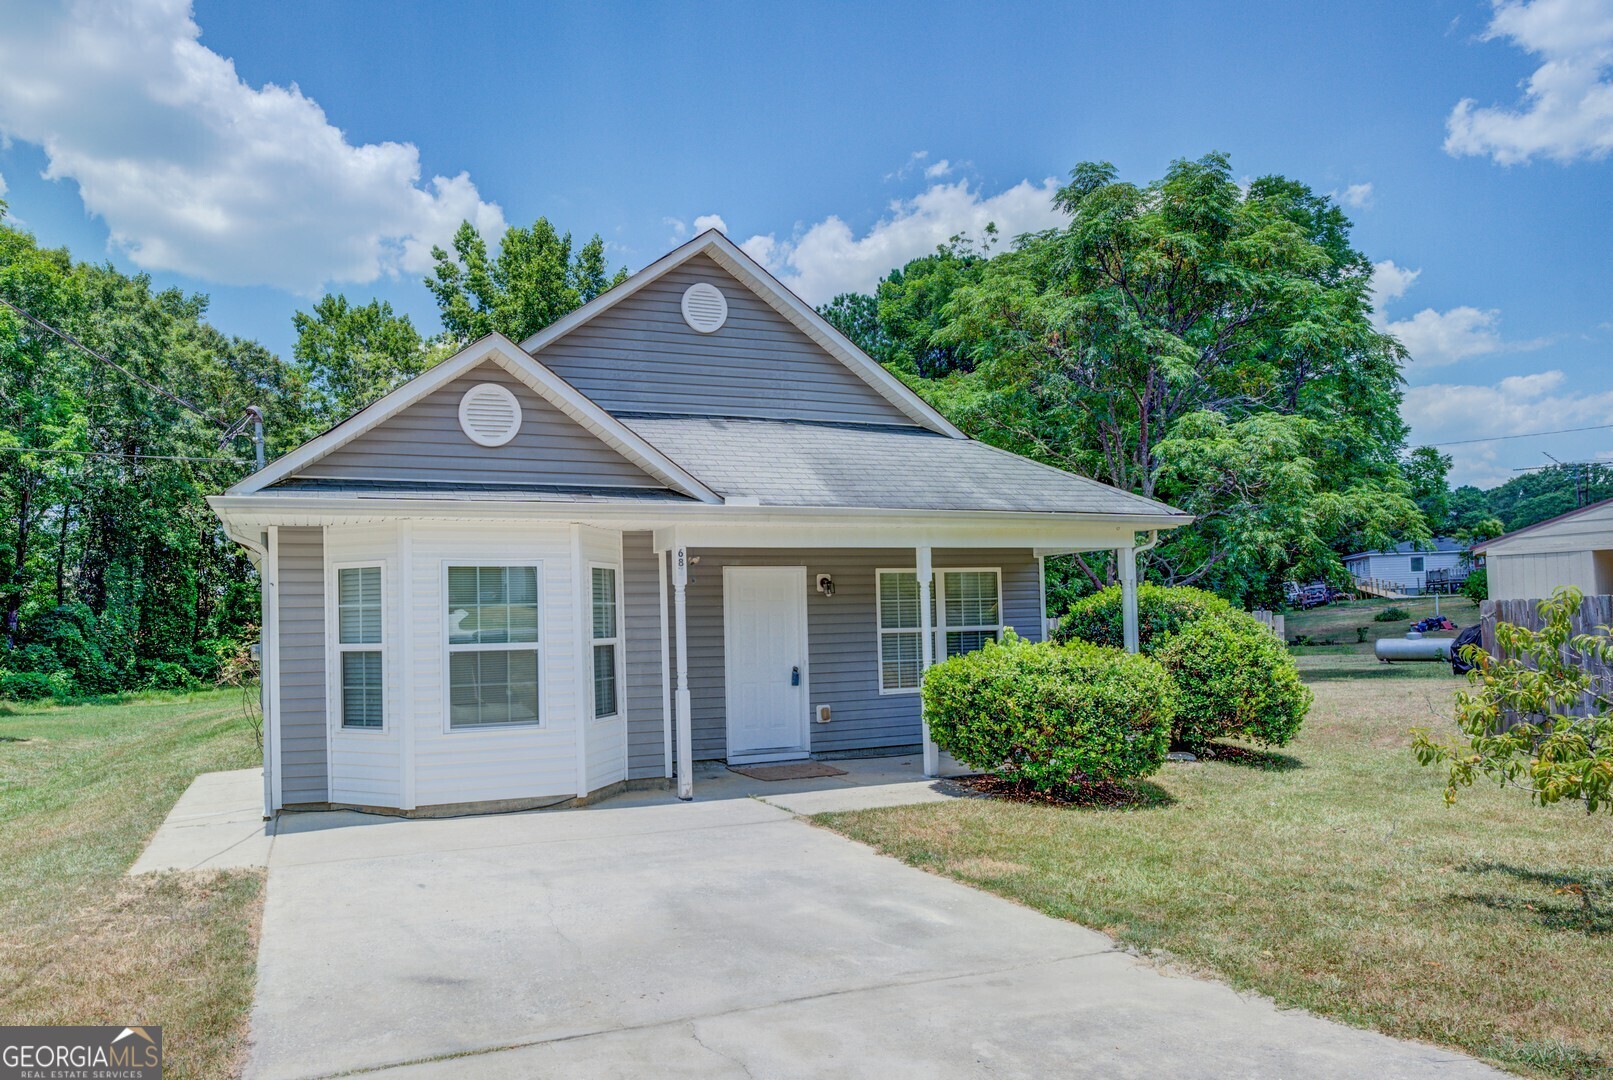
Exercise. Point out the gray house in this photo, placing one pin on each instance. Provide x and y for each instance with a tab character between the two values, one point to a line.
688	522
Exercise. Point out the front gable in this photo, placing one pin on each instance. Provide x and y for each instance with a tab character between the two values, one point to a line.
414	435
425	443
641	356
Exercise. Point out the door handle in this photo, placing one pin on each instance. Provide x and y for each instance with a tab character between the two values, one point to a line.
795	676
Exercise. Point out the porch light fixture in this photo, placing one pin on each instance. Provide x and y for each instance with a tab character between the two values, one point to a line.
826	584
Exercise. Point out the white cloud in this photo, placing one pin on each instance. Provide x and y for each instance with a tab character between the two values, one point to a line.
197	172
679	227
939	169
914	160
710	221
1356	196
1567	108
1518	404
1436	338
826	258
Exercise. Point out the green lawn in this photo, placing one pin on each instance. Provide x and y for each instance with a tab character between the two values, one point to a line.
81	790
1339	622
1329	876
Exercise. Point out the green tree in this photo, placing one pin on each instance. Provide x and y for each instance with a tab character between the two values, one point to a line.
1196	310
352	354
1540	680
856	315
535	279
1426	470
912	303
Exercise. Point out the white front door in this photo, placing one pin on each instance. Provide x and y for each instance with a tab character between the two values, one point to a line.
765	661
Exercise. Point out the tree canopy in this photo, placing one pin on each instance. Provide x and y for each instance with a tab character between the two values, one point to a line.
534	279
1192	339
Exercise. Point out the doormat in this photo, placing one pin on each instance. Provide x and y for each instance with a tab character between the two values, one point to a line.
790	770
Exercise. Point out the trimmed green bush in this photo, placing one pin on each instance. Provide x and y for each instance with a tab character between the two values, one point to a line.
1392	614
1476	587
163	675
1054	717
1161	612
26	685
1233	678
1228	681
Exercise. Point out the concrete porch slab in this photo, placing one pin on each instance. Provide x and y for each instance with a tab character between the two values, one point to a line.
216	824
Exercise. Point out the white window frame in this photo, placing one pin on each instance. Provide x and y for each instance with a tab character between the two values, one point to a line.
448	649
618	642
337	648
881	630
943	628
938	624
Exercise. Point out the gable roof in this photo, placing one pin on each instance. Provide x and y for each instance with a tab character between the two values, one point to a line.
794	463
773	292
495	348
1446	544
1538	526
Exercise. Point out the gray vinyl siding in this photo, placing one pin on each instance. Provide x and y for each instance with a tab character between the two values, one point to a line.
842	640
425	443
640	356
303	769
646	730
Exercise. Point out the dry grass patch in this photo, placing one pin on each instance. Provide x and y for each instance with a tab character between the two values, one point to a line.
81	790
1330	876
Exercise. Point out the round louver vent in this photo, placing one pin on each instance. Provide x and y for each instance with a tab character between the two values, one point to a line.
489	414
704	307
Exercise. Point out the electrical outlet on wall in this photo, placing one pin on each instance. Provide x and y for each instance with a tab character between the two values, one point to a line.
822	713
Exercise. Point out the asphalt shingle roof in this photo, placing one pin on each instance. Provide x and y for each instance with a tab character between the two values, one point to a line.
794	463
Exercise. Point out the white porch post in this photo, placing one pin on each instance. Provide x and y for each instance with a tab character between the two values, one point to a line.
932	753
680	621
1127	557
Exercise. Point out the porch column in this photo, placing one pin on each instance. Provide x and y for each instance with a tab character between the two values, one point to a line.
1127	558
680	624
932	753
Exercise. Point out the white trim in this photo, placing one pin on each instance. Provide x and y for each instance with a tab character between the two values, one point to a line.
269	663
539	646
662	600
685	706
406	723
777	296
1041	591
508	355
334	648
773	753
618	642
581	685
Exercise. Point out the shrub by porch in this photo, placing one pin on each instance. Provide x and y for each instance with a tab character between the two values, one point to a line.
1234	679
1053	717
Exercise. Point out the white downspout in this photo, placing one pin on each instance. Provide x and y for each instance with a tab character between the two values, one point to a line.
924	572
680	620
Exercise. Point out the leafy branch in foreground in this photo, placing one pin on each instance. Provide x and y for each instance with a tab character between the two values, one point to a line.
1540	678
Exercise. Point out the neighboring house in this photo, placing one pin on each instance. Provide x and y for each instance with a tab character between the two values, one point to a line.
689	521
1406	567
1575	549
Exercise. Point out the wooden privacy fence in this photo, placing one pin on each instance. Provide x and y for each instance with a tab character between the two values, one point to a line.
1594	613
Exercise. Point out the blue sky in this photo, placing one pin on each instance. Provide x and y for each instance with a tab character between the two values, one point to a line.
836	141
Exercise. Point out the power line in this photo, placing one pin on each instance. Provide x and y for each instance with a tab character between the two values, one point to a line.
147	383
1525	435
121	454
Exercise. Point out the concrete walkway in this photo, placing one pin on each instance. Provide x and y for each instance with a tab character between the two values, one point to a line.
726	937
216	824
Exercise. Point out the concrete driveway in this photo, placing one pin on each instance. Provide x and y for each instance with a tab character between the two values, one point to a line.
721	938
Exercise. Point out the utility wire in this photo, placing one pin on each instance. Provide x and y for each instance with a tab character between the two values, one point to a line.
1525	435
120	454
147	383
